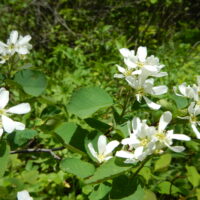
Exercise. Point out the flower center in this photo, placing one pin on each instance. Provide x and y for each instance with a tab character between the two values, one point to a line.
140	91
128	72
11	46
101	157
2	112
144	142
160	136
140	64
193	118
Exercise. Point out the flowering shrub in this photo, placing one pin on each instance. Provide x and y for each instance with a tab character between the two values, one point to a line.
106	152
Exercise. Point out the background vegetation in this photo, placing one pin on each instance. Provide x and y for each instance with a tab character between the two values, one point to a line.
75	43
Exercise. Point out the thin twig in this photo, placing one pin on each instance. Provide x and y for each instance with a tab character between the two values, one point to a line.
141	166
39	150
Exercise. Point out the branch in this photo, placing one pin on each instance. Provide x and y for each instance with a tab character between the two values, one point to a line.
39	150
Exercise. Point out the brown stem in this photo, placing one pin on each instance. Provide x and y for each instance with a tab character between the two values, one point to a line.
39	150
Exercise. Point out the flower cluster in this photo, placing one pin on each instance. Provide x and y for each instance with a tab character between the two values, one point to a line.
139	69
15	44
6	123
145	140
192	93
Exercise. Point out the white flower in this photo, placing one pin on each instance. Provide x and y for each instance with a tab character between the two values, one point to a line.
144	87
186	91
191	92
104	150
18	43
140	63
194	111
15	44
7	123
164	137
140	142
24	195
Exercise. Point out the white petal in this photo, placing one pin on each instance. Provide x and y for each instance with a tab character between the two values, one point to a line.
120	69
130	64
150	68
20	108
160	74
151	104
175	91
138	151
164	120
4	97
126	141
19	126
136	72
124	154
102	141
111	146
1	132
195	131
191	109
24	40
180	137
142	54
118	76
177	149
13	37
186	117
125	52
8	124
22	50
108	158
24	195
92	151
159	90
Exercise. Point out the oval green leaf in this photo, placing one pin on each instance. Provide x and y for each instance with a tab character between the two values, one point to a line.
86	101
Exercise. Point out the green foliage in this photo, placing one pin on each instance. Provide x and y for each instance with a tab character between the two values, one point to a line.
193	176
4	154
72	136
33	82
77	167
86	101
163	162
108	170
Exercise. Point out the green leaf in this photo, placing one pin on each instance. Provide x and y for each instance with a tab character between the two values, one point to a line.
193	175
19	138
163	162
72	136
98	125
100	191
198	194
126	188
149	195
77	167
165	188
33	82
86	101
122	130
146	173
181	102
108	170
4	155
